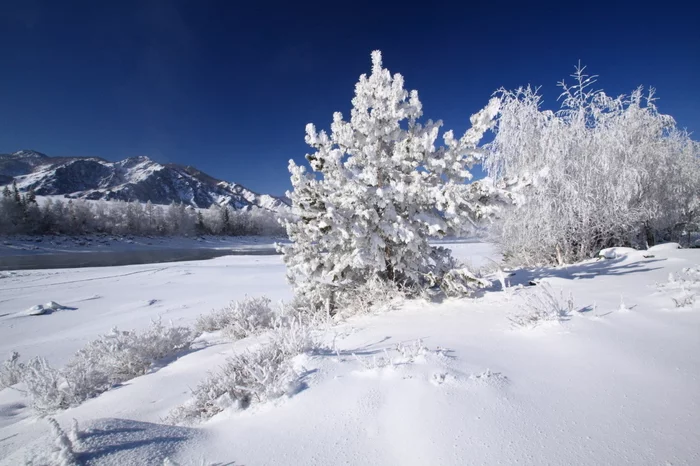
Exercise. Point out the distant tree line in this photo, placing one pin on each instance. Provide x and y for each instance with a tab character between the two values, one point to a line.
20	213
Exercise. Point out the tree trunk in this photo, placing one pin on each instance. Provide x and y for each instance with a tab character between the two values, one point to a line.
648	235
560	258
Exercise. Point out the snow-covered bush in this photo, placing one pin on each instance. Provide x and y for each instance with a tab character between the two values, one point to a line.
305	311
685	300
409	351
120	356
374	295
602	171
459	282
103	363
253	376
214	320
240	318
402	354
247	317
45	386
378	190
160	341
293	336
685	284
542	305
687	278
11	371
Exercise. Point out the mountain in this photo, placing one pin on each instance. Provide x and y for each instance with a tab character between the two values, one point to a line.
131	179
20	163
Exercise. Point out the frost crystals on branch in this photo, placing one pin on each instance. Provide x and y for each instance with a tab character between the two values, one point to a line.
379	187
602	171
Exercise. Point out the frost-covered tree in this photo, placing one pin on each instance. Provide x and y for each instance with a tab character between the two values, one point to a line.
81	217
19	213
378	190
181	220
134	218
602	171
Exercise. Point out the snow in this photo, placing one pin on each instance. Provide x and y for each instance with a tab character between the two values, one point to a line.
128	297
613	253
41	309
664	247
28	154
37	310
462	387
476	254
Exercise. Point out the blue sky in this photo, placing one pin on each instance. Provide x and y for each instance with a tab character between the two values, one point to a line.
229	88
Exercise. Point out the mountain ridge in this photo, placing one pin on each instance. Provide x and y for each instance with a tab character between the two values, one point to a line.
130	179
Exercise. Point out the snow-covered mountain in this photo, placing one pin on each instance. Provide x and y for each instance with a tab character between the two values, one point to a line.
131	179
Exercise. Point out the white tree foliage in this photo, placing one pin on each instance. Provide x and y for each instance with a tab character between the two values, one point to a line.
602	171
21	214
378	189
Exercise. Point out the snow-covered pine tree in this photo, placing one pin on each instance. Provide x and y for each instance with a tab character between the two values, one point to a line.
378	190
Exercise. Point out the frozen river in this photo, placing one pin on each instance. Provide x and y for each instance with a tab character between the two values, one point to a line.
66	260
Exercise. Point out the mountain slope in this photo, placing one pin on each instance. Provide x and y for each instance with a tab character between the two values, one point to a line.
20	163
131	179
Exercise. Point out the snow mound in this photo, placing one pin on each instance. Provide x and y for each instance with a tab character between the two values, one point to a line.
488	377
37	310
614	253
682	288
54	306
48	308
664	247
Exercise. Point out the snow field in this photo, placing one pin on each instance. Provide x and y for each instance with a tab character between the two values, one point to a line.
429	383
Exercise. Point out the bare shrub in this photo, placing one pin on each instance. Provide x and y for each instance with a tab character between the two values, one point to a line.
543	305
